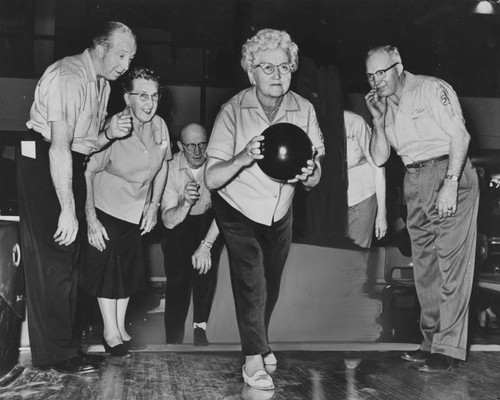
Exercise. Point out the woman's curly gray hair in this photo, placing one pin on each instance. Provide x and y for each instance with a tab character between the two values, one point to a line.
131	75
268	39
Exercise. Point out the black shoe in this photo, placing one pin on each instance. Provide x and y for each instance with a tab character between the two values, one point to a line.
116	351
133	344
173	339
200	337
438	363
417	356
75	365
91	358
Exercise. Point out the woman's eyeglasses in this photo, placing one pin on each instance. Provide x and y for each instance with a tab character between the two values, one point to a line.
284	68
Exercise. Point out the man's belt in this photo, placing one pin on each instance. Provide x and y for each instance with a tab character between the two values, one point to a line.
421	164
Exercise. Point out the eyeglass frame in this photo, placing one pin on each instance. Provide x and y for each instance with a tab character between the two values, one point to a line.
290	65
380	73
202	146
146	96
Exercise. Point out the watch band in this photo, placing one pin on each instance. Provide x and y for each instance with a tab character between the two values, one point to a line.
207	244
453	178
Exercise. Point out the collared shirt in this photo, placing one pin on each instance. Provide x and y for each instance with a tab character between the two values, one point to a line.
252	192
419	127
125	169
360	166
179	174
69	91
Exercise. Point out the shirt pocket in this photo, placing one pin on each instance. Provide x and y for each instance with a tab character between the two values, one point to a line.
420	118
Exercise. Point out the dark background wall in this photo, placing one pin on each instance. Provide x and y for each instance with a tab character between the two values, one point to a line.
198	41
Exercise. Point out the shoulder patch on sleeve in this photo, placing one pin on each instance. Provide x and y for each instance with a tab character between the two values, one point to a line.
443	97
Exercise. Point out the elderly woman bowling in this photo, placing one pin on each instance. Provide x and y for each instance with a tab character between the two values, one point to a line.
252	210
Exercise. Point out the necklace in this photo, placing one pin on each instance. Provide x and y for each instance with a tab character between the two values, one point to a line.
272	110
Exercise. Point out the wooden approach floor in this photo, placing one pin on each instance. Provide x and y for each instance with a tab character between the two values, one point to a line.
182	372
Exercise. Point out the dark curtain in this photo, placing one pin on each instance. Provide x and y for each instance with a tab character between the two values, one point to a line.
320	215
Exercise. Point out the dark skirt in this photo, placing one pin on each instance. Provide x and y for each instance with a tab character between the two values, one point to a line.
119	271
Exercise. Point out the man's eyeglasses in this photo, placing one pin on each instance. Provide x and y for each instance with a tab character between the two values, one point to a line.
192	146
284	68
380	74
145	96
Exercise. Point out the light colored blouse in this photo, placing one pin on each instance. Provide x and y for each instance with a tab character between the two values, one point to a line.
360	166
252	192
125	169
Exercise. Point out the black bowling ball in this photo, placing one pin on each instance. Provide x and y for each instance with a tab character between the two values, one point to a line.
286	149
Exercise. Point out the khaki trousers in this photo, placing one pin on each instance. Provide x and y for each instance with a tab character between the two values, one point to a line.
443	252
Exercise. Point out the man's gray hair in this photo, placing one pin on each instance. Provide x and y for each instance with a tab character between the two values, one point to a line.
392	51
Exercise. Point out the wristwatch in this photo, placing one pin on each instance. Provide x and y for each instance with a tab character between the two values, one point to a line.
453	178
207	244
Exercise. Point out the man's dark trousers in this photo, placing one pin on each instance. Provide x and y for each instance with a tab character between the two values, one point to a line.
178	245
50	269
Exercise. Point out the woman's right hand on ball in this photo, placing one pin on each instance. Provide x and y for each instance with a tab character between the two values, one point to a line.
251	152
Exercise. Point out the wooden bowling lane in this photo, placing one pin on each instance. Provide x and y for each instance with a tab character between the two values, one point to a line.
301	375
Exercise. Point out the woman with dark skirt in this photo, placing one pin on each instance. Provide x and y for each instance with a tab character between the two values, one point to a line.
125	182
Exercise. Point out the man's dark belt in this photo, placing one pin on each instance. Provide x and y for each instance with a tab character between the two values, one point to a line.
420	164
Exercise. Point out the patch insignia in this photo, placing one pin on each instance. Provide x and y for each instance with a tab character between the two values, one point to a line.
443	97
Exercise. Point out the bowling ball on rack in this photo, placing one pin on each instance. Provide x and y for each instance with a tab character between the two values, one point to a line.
286	149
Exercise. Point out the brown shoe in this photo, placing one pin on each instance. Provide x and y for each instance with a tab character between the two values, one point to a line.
416	356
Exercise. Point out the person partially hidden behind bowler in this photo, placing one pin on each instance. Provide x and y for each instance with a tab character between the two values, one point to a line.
190	242
67	123
125	182
366	184
420	117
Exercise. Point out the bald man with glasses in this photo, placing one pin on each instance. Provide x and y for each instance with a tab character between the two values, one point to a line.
190	243
420	117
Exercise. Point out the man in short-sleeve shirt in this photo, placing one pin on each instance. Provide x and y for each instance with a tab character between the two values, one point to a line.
420	117
66	124
190	242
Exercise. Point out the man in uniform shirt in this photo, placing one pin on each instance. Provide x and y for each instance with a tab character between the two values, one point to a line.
191	251
420	117
67	125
